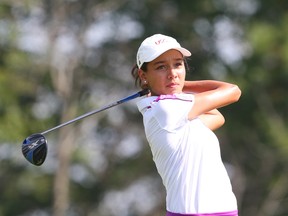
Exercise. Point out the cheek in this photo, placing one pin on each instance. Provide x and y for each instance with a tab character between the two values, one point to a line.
182	74
154	77
156	81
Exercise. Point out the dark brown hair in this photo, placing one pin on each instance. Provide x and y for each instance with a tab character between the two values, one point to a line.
134	73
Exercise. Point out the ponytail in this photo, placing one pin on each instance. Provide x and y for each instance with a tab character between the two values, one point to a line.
135	75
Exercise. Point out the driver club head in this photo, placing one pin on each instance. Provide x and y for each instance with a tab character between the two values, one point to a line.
34	149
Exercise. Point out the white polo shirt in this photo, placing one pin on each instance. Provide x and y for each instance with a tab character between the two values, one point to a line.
187	156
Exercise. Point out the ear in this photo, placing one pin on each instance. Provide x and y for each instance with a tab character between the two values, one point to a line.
142	75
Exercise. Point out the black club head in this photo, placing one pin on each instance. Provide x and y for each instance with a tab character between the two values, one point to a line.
34	149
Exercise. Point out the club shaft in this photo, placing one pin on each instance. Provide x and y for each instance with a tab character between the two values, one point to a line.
131	97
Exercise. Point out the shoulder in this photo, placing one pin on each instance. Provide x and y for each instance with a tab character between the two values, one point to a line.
164	100
145	103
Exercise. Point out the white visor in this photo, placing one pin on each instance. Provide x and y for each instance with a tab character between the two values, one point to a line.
154	46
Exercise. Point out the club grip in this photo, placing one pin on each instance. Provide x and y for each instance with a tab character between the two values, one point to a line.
144	92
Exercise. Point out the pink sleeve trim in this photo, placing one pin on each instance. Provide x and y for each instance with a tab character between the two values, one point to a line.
183	97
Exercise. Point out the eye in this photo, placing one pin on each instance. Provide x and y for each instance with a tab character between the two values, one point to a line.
179	64
161	67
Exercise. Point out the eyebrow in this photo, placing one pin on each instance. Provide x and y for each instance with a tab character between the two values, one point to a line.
175	59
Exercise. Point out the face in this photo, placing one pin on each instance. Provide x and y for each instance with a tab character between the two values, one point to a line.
165	74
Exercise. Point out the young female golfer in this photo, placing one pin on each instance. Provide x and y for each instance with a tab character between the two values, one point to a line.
179	118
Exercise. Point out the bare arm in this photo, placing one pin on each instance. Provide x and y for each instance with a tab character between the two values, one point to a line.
212	119
211	95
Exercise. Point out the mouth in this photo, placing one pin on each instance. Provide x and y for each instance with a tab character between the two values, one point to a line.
172	85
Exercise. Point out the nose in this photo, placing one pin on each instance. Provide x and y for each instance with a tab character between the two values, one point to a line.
172	73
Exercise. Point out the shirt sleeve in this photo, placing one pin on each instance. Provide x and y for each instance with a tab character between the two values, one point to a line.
172	113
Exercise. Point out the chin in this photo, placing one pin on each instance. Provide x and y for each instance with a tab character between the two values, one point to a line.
175	91
166	92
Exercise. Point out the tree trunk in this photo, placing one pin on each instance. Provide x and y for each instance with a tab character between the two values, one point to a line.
61	181
63	82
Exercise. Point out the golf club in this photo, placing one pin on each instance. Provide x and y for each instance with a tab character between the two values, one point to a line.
34	147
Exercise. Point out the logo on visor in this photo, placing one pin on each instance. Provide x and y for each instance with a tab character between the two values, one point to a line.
160	41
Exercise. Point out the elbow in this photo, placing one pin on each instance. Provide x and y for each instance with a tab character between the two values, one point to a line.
236	92
221	121
218	123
